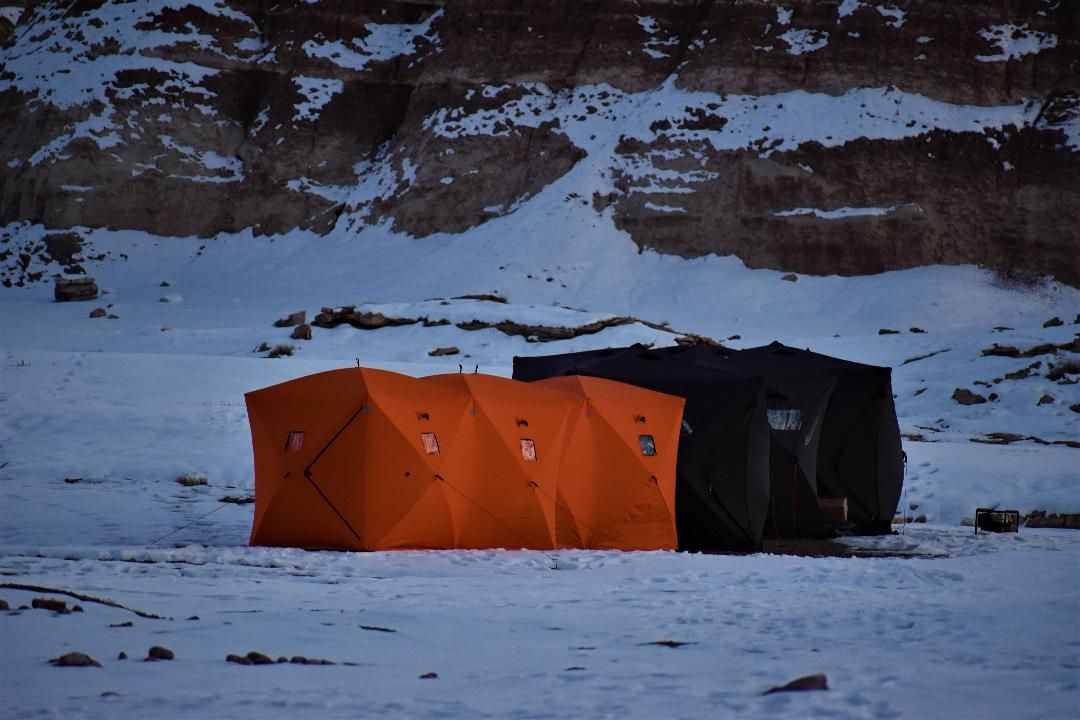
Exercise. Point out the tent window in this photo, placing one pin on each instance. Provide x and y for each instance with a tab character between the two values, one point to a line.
431	443
648	445
528	450
781	414
785	418
295	442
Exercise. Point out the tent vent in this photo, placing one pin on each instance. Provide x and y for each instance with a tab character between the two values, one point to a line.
639	418
522	422
423	416
431	443
784	418
648	445
295	441
528	450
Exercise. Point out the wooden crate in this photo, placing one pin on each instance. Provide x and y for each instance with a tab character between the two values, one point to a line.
833	510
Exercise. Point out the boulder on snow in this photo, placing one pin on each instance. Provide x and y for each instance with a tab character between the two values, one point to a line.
1053	322
1046	399
257	658
50	604
807	682
75	289
301	332
297	318
75	659
98	313
4	604
790	277
238	659
1040	519
440	351
192	479
966	397
157	652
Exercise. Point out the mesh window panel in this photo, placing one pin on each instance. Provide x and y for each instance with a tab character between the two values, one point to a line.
648	445
784	418
431	443
295	442
528	450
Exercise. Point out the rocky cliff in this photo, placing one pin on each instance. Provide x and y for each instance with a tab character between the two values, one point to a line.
823	137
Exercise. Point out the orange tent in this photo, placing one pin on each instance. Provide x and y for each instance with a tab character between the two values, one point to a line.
619	460
369	460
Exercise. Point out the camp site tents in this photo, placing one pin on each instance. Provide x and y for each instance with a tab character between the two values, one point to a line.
363	459
722	487
831	424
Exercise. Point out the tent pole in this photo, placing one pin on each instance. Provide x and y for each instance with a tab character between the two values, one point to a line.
337	512
795	499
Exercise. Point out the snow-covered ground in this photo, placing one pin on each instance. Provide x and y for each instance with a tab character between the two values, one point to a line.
963	626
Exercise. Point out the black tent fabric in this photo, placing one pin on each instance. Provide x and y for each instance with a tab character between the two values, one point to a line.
722	475
858	452
768	431
795	406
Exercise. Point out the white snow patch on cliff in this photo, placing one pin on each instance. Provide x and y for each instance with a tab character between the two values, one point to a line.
664	208
228	169
768	123
11	13
1015	41
895	13
652	45
384	41
317	93
846	8
98	128
804	41
841	213
55	59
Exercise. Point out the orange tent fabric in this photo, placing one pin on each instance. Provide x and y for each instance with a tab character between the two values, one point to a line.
619	456
364	459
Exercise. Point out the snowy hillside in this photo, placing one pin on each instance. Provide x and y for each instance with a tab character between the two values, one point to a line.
846	138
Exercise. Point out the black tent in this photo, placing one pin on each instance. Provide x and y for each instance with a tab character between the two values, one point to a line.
769	431
850	450
722	477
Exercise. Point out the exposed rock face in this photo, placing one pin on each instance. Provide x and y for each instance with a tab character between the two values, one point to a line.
818	137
